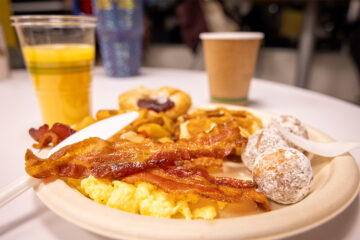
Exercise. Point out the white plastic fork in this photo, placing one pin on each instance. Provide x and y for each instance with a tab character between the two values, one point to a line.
103	129
328	149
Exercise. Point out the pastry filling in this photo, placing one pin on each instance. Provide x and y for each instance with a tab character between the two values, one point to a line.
160	104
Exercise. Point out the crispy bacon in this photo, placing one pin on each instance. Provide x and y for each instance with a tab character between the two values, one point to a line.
180	180
45	136
205	162
115	160
156	163
183	172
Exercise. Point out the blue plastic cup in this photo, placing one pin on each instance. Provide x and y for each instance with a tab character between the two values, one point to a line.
120	30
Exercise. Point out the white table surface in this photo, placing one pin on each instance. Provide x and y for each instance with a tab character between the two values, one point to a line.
27	218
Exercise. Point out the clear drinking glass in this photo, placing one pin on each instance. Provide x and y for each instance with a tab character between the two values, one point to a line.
120	31
59	54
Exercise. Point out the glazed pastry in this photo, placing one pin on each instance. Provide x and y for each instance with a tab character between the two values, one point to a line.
283	174
173	102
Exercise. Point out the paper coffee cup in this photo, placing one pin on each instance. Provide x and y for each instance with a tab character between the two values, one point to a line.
230	60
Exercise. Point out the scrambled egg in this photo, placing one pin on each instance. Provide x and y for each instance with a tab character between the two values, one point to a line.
144	198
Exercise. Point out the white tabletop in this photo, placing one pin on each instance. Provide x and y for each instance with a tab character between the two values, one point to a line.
27	218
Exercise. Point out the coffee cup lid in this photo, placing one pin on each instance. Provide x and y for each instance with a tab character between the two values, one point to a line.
231	35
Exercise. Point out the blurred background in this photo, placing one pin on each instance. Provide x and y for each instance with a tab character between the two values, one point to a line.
310	44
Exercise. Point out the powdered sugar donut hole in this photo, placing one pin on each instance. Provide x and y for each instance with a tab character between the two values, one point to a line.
283	174
290	123
259	142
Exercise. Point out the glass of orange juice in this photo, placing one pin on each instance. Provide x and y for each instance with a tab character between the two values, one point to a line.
59	54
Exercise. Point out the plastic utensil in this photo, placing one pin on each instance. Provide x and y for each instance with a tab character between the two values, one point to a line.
328	149
103	129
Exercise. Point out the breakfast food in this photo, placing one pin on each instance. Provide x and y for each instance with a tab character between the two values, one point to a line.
162	163
153	162
173	102
283	174
143	198
197	181
203	121
262	140
270	137
116	159
157	126
189	125
294	125
46	136
157	163
158	109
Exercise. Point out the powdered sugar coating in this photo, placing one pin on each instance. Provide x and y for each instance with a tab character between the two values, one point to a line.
283	174
290	123
259	142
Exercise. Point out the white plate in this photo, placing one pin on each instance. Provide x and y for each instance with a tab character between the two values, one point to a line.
335	185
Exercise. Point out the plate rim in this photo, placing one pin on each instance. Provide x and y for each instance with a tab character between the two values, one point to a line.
45	193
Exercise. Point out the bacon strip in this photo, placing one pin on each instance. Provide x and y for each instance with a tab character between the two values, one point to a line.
183	172
45	136
183	181
205	162
115	160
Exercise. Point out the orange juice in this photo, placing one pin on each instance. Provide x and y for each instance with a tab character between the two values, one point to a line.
61	74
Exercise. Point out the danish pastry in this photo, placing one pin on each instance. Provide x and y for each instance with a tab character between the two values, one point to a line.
173	102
